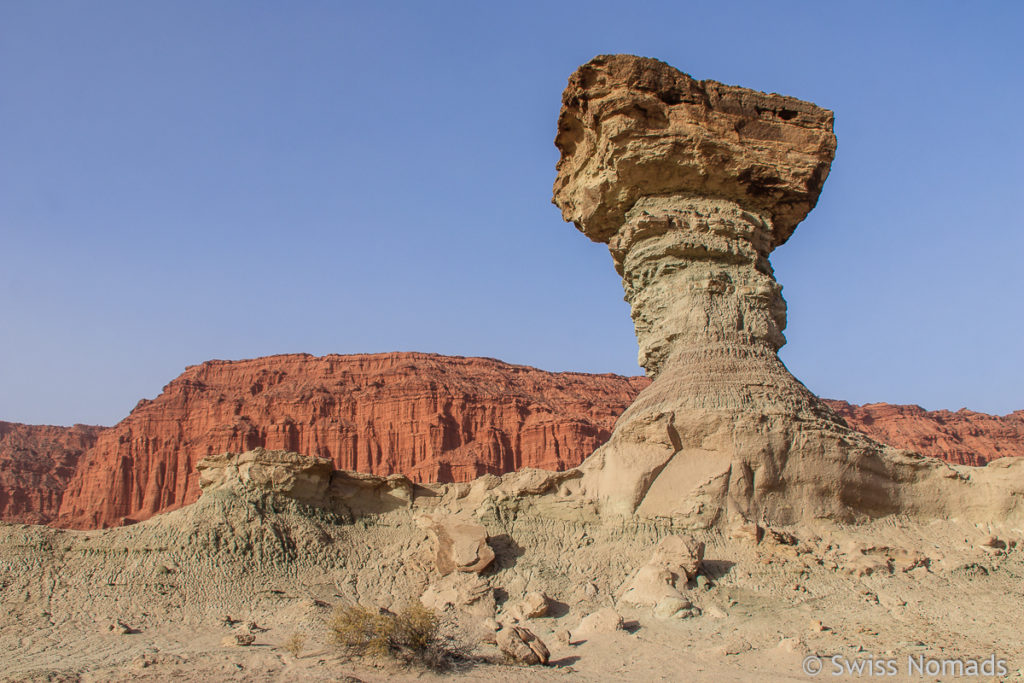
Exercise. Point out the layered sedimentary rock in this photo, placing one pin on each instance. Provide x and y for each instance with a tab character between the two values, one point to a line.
432	418
276	473
963	437
36	463
692	185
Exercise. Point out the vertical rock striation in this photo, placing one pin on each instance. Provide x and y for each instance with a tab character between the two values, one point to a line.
964	437
36	464
433	418
692	185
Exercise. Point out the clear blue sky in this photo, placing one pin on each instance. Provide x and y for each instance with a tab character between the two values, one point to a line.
181	181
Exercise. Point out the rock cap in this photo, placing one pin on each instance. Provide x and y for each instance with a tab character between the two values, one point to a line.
633	126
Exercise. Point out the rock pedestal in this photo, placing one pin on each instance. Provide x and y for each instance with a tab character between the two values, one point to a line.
692	184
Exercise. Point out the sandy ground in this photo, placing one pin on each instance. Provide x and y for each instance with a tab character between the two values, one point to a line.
889	595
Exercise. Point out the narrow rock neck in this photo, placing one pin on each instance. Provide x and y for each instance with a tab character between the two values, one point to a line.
698	280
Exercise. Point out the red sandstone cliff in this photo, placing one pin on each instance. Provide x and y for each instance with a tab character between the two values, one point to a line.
433	418
964	437
36	463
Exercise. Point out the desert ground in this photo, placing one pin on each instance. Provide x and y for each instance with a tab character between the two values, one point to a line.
155	601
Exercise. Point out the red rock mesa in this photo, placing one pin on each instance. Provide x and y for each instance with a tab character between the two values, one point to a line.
963	437
38	462
433	418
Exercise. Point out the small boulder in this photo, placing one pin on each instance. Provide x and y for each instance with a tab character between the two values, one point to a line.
604	620
748	531
675	561
993	545
734	646
458	545
651	584
680	554
533	606
120	627
521	645
465	592
716	612
238	639
670	607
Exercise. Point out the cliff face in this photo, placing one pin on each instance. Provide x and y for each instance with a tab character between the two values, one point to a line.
964	437
36	463
432	418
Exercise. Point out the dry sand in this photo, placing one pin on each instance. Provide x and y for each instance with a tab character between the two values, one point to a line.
891	589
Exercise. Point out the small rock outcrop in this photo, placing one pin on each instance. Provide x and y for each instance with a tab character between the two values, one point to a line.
692	184
311	481
675	561
533	605
273	472
678	608
604	620
459	546
465	592
521	645
238	639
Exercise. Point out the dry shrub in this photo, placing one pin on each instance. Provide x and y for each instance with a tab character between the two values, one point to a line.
361	630
410	635
294	643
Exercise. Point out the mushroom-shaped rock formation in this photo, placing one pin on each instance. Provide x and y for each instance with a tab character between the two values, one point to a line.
692	184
